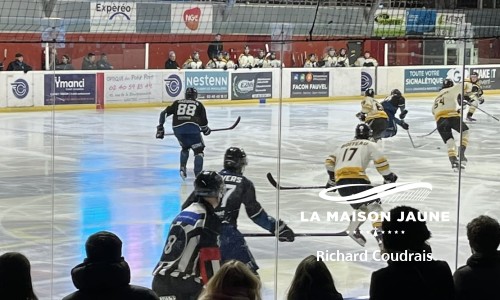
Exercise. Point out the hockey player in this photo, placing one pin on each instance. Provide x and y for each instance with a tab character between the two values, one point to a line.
240	190
330	59
391	105
347	166
366	60
273	62
373	114
189	118
217	63
343	59
191	254
447	118
261	60
246	60
229	62
311	61
473	94
193	62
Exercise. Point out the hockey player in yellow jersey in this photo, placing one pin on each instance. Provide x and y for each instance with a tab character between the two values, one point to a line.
373	114
473	94
347	167
447	118
193	62
246	60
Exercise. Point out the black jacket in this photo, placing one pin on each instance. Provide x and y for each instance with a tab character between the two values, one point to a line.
88	65
106	281
170	64
480	278
413	280
214	48
16	65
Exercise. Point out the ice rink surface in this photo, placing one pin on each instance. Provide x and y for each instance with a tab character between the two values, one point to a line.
110	173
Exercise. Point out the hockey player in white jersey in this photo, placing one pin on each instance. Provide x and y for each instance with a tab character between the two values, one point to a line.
373	114
193	62
274	62
446	112
311	62
330	59
261	60
347	166
229	62
246	60
343	59
473	94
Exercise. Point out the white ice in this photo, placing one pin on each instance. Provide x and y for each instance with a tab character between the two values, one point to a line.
67	174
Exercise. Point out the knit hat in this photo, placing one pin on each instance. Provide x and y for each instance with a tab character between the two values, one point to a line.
103	246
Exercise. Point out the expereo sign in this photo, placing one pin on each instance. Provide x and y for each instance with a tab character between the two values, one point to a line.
309	84
254	85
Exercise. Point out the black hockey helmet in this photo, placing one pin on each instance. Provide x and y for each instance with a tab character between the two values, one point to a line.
474	74
191	93
235	159
209	184
363	131
447	83
370	93
396	92
474	77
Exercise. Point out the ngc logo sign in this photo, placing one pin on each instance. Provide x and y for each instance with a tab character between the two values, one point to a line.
190	18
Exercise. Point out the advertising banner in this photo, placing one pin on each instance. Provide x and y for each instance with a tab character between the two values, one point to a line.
69	89
112	17
389	22
20	90
133	87
489	78
449	24
420	22
424	80
210	84
309	84
367	79
173	86
191	18
252	85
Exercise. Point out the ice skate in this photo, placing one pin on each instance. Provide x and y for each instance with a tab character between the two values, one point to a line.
471	119
358	237
183	173
455	164
463	159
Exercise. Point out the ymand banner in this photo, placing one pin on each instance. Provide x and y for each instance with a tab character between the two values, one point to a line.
309	84
133	87
255	85
210	84
113	17
191	18
69	89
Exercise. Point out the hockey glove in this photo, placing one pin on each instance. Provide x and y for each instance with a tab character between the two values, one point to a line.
405	125
160	132
225	68
284	233
390	178
207	130
403	114
481	100
361	116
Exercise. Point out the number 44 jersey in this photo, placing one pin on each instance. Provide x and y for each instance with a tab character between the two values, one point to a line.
185	111
351	159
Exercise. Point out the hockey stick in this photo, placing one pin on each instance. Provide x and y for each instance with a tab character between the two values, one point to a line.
488	114
280	187
428	133
219	129
342	233
411	140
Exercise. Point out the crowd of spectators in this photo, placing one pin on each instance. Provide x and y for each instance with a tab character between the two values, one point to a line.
105	274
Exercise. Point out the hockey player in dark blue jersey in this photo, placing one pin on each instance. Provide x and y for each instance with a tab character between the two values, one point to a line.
191	254
240	190
189	118
391	105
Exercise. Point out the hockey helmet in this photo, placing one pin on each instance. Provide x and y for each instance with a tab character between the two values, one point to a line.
370	93
191	93
209	184
363	131
474	77
447	83
235	159
396	92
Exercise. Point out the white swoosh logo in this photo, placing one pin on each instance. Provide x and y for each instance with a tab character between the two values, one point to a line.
374	193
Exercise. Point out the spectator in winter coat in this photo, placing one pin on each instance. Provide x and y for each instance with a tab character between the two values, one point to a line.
65	63
15	277
412	273
480	278
105	274
103	63
215	47
89	62
19	65
171	62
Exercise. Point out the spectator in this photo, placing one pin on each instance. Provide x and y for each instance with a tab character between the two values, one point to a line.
313	281
411	273
215	47
105	274
480	278
65	63
193	62
18	64
15	277
366	60
311	61
234	281
103	63
89	62
171	63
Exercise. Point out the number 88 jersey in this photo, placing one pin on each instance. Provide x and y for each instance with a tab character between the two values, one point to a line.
351	159
187	111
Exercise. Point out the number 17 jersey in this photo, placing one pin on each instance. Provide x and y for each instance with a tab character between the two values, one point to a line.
187	111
